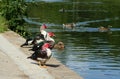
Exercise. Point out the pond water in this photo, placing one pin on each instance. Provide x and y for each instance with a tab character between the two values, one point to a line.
90	53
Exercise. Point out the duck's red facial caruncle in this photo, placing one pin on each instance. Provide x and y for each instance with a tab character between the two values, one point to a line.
46	45
43	26
51	34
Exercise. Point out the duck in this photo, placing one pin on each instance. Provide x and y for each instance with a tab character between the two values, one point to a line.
42	55
38	38
104	29
48	39
30	41
49	36
69	26
60	46
42	30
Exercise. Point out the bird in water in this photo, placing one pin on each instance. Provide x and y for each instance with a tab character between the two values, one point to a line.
60	46
69	26
104	29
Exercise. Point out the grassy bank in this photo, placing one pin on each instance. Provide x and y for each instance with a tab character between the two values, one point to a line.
3	26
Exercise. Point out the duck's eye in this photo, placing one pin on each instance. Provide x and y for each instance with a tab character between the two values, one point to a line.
60	44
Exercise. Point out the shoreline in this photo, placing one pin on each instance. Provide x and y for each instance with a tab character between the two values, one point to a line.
54	67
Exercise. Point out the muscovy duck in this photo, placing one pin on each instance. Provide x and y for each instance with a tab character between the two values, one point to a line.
38	38
48	39
42	55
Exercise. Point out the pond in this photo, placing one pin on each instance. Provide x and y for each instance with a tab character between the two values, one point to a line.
90	53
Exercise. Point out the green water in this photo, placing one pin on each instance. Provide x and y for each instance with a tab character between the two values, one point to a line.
90	53
76	11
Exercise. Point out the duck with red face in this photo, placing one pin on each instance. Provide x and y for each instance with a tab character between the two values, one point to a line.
39	38
42	55
48	39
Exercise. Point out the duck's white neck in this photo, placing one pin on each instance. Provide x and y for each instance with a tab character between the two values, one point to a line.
48	38
48	52
44	33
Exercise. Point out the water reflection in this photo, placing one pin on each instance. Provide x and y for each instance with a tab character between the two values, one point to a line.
52	0
45	0
79	25
92	54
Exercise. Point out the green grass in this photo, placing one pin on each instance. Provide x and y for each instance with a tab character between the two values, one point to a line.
3	26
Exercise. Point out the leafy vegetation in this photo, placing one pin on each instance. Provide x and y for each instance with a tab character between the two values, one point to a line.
3	26
13	11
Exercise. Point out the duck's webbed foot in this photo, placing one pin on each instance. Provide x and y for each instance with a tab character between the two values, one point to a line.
25	44
42	65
